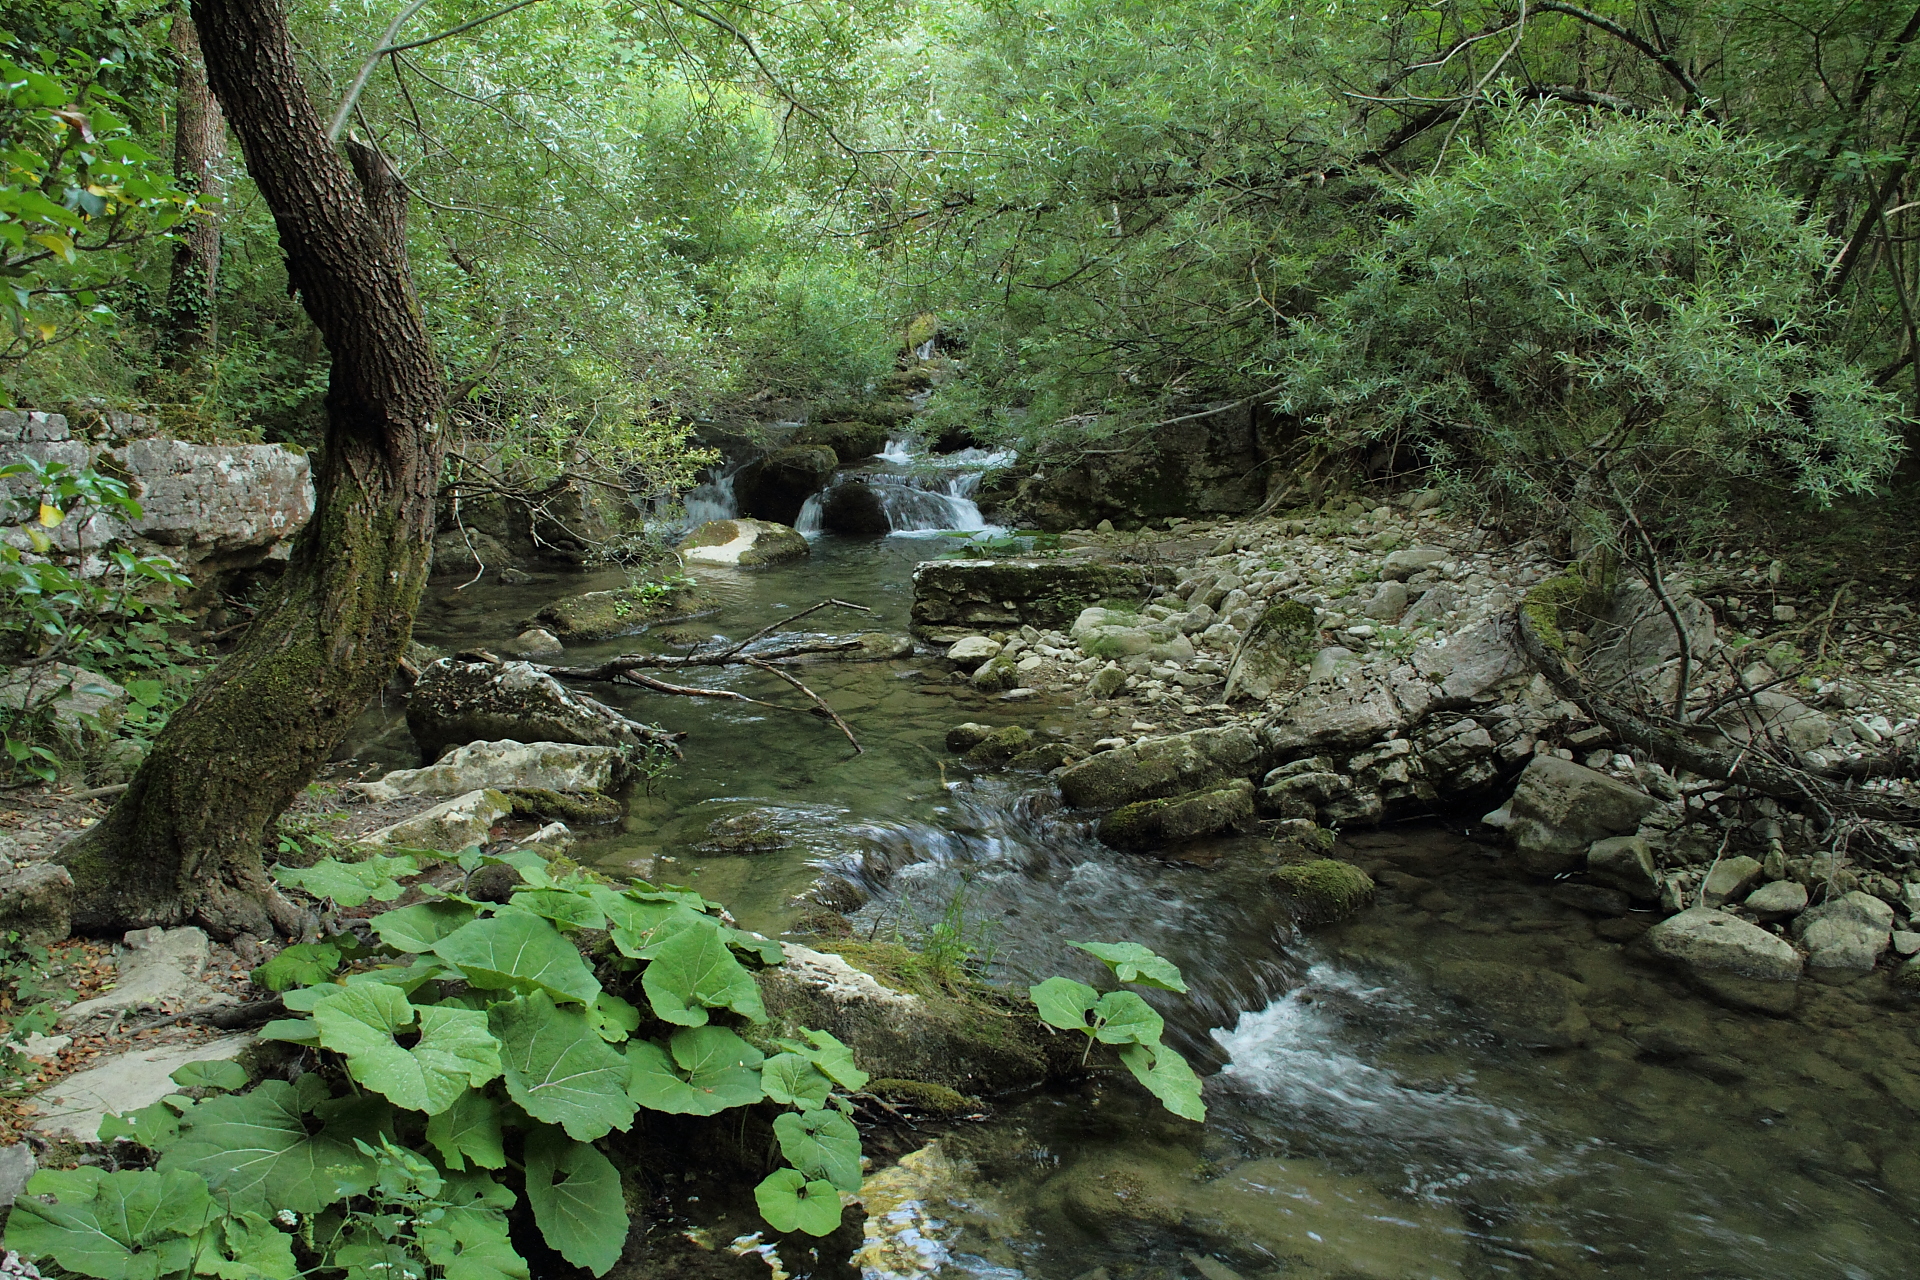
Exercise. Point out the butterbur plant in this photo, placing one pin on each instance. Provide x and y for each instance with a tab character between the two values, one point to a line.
468	1057
1125	1021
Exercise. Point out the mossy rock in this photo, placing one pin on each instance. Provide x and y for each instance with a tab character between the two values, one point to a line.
587	807
851	441
886	411
927	1099
601	615
1323	890
741	833
1000	746
1042	759
996	675
1153	824
965	737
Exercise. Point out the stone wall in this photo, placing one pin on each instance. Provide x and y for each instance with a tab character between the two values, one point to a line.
955	598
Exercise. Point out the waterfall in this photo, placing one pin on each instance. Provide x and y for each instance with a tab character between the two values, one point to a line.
713	498
904	493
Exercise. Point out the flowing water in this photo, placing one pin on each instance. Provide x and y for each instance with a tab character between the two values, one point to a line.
1362	1123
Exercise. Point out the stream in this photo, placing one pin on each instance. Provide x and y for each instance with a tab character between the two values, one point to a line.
1362	1123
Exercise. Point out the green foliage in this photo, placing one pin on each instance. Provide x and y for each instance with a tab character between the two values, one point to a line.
23	969
466	1060
1122	1018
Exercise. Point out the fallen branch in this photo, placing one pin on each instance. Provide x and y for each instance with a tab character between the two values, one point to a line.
793	618
616	667
818	701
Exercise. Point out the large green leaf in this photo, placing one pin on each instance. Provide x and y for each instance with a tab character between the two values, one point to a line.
418	927
519	952
558	1069
639	928
224	1076
790	1203
834	1059
246	1247
1167	1077
1124	1018
1064	1003
821	1144
791	1080
693	971
477	1224
576	1199
563	906
1133	963
469	1130
699	1072
455	1052
613	1019
131	1225
350	884
300	965
254	1151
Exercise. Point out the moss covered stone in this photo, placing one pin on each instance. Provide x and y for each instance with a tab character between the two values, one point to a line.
851	441
1323	890
965	737
588	807
742	542
997	675
601	615
1000	746
1152	824
918	1095
957	598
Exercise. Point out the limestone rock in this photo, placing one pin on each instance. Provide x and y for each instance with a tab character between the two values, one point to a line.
1560	808
1847	934
969	652
1469	663
469	551
955	598
36	901
1401	565
601	615
1775	714
16	1166
742	543
775	487
964	737
550	766
1729	880
1153	824
1269	662
84	704
75	1105
1329	715
1778	900
1703	938
1107	681
996	675
538	642
1625	863
999	746
157	969
1389	602
1331	663
448	827
1114	633
455	703
1159	767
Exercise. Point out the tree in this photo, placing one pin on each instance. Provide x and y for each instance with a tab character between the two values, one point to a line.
184	842
199	145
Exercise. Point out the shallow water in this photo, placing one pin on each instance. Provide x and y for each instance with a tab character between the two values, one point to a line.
1373	1112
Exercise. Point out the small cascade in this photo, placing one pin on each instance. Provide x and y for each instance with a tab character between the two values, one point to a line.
808	522
904	492
713	499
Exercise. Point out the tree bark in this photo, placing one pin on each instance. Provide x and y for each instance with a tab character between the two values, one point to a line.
184	843
199	145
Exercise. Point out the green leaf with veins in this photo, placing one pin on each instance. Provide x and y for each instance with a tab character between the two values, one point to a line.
1122	1017
640	928
1134	963
692	972
418	927
558	1070
790	1203
246	1247
791	1080
351	884
563	906
834	1059
766	950
575	1195
821	1144
701	1071
1168	1078
1064	1003
254	1151
153	1126
129	1225
475	1220
224	1076
469	1130
455	1052
613	1019
300	965
519	951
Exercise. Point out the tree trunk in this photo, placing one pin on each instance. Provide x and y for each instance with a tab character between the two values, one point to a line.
199	144
184	844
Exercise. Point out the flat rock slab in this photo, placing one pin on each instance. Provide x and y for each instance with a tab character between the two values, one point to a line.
160	968
75	1106
1703	938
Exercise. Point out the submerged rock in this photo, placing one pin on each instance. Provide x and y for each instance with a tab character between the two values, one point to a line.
1153	824
1524	1004
1323	890
1159	767
743	543
454	703
552	766
750	832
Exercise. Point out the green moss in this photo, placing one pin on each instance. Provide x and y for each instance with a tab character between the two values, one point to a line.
894	964
589	807
1000	745
1324	889
714	533
918	1095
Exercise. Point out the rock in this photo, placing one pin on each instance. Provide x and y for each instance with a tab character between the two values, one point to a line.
601	615
1703	938
1778	900
1269	662
1560	808
36	901
1472	661
1107	681
116	762
1774	714
1729	880
1159	767
448	827
1000	745
1591	898
1042	759
1634	643
1331	663
775	487
855	505
552	766
982	1042
1625	863
16	1166
1845	935
1401	565
538	642
996	675
584	808
1527	1005
32	427
1330	716
158	968
1905	942
75	1105
1116	633
964	737
851	441
454	703
1389	602
1322	890
741	833
969	652
955	598
1153	824
551	841
84	705
468	552
743	543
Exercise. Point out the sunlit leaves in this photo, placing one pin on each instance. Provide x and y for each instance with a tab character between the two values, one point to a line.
700	1071
558	1069
576	1198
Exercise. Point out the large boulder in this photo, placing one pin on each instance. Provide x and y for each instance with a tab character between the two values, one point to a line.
742	543
1845	935
1322	890
775	487
1281	639
547	766
601	615
1155	768
1472	662
954	598
448	827
1155	824
454	703
1703	938
851	441
1120	633
855	506
1560	808
36	902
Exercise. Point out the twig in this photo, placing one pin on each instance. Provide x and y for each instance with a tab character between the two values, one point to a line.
1826	623
794	680
770	628
96	793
